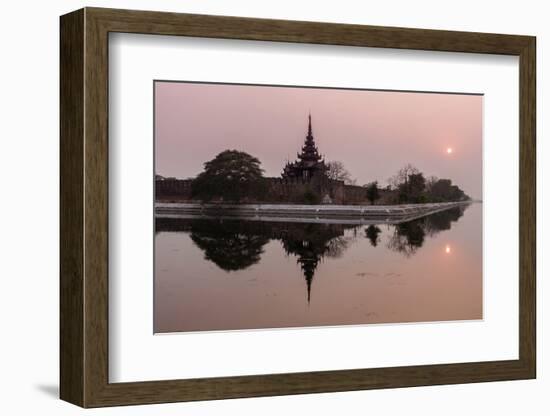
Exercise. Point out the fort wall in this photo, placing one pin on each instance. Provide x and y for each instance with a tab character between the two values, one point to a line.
281	190
173	189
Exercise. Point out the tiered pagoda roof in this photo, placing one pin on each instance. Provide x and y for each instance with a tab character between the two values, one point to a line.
309	162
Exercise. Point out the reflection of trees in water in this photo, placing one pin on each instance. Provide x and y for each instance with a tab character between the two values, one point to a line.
372	232
441	221
408	237
230	245
337	246
238	244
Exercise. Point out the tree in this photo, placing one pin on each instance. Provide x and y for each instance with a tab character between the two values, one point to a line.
231	175
410	185
337	172
372	192
441	221
443	190
402	176
430	182
415	188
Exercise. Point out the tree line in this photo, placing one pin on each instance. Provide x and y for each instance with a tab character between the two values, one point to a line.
411	186
233	175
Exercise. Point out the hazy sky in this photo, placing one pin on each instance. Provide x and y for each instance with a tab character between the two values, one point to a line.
374	133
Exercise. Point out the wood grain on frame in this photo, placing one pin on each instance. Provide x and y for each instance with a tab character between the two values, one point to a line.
71	219
84	207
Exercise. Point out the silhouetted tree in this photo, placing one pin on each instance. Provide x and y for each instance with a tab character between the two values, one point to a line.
409	184
337	171
373	193
231	175
443	190
402	176
415	187
412	187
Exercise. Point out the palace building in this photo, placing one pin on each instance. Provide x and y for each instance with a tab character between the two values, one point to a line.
310	164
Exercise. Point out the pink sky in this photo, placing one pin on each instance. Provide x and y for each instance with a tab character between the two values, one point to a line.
374	133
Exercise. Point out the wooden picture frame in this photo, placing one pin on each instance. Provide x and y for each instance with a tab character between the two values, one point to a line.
84	207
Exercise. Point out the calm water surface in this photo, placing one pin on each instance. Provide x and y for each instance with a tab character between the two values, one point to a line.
213	274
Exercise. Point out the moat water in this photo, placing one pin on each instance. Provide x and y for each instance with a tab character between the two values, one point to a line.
228	274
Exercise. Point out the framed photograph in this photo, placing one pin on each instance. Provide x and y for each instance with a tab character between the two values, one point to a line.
255	207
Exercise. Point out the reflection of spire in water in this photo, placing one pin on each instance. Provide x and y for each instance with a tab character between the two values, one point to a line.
309	245
308	266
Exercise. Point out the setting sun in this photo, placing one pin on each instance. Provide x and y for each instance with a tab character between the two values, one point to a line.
449	150
447	249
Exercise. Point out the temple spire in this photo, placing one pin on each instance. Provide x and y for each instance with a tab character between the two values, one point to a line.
309	162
